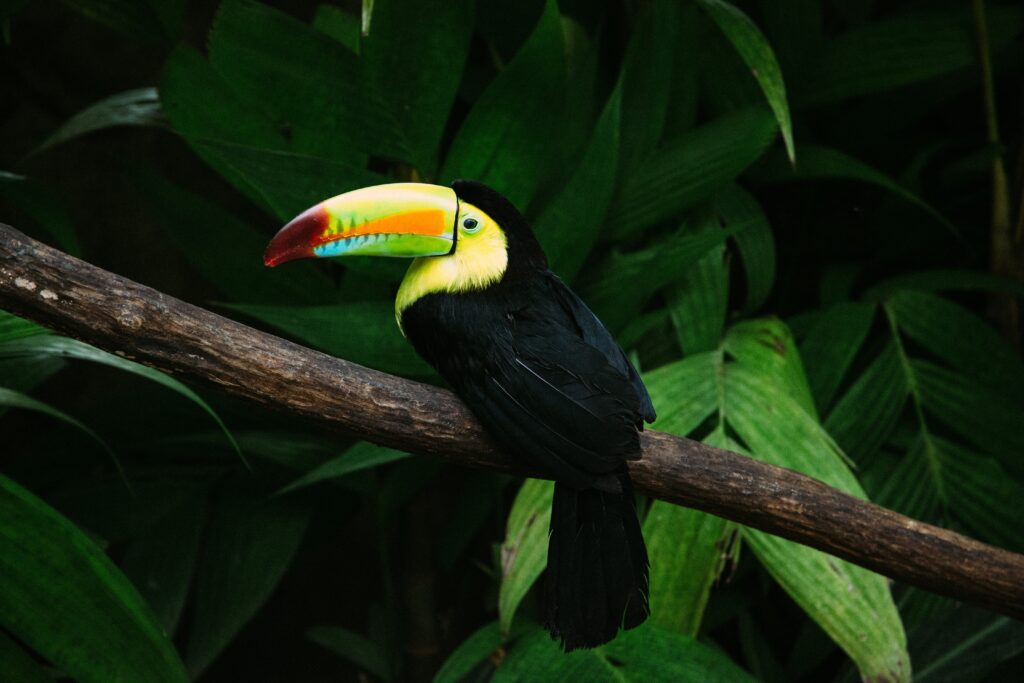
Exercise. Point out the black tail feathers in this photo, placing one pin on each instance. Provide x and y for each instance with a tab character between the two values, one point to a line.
597	566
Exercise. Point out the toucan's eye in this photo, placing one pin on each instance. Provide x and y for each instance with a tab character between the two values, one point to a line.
470	225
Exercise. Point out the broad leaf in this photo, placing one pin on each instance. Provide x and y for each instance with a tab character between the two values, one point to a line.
470	654
364	455
698	302
753	47
830	345
754	241
524	552
103	630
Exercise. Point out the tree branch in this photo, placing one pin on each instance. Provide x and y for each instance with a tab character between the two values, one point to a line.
106	310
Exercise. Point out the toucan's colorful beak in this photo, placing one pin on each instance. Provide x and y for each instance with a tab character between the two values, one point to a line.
400	219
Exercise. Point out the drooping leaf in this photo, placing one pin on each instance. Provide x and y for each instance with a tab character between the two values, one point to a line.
434	36
62	347
12	327
944	280
364	455
247	548
851	604
16	399
965	645
356	648
689	169
753	47
524	552
139	107
505	140
767	347
363	332
103	630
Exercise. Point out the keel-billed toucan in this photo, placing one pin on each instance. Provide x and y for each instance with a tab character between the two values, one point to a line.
533	363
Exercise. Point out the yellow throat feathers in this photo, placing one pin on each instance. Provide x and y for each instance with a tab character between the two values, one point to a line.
479	261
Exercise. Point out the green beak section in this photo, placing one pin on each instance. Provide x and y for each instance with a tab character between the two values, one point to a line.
400	219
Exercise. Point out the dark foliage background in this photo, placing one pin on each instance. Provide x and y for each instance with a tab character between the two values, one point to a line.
802	219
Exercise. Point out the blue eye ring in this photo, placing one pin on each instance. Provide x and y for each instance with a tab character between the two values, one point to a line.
470	225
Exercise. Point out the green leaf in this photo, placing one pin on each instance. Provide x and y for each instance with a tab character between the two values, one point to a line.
820	163
139	107
364	455
753	47
766	346
944	280
646	653
754	241
685	392
965	646
338	24
863	418
357	649
505	140
38	204
302	80
12	327
830	345
905	49
103	630
161	562
524	552
62	347
434	36
363	332
961	339
568	226
698	302
851	604
915	486
247	549
469	654
617	287
227	251
686	171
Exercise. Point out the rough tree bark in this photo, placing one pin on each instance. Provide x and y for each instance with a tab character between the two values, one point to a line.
111	312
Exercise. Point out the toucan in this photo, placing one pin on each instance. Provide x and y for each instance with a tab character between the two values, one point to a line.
530	360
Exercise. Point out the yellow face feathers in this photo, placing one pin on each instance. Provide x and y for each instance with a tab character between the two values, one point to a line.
479	260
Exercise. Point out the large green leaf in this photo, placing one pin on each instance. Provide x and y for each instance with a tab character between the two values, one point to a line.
753	47
412	60
851	604
689	169
44	346
102	631
12	327
766	346
247	548
505	139
684	392
18	665
524	552
139	107
569	225
646	653
905	49
363	332
470	654
698	302
965	646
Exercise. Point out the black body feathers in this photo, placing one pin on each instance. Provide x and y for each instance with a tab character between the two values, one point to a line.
552	387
